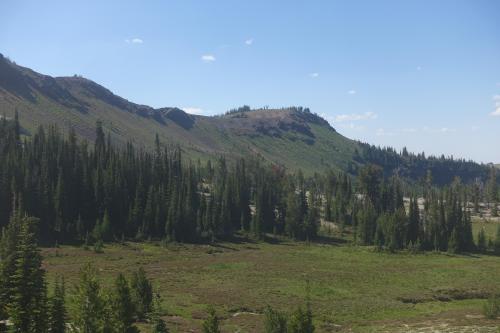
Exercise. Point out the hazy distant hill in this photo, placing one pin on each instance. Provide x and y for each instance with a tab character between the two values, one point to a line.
292	137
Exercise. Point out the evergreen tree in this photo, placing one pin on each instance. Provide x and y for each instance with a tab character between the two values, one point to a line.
8	256
366	223
496	243
481	241
122	307
88	303
293	217
274	321
27	304
413	221
57	309
370	179
211	323
142	293
159	325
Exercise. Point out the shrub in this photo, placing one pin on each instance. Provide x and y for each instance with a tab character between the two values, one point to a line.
491	309
274	321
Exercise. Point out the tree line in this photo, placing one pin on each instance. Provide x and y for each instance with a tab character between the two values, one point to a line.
83	194
88	193
415	166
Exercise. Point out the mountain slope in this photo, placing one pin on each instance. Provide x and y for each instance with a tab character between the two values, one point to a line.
292	137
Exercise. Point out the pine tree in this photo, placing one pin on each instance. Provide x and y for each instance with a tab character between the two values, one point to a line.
454	242
366	223
57	309
142	293
274	321
105	227
28	303
413	221
211	323
311	224
8	256
496	243
370	179
481	241
122	306
292	217
88	302
159	325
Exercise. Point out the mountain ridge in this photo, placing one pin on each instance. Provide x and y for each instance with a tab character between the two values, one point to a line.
291	137
74	101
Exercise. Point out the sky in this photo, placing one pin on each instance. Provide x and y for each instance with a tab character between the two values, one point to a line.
418	74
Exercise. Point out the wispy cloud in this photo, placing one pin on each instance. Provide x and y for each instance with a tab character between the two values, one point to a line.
314	75
134	41
383	132
496	100
355	117
352	92
419	68
439	129
208	58
408	130
352	126
193	110
249	41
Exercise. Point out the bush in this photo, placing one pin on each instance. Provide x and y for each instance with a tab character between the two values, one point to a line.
491	309
211	324
301	321
275	321
99	246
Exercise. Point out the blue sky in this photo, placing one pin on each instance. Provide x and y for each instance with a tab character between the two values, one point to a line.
420	74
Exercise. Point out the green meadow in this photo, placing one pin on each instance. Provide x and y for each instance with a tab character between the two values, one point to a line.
350	288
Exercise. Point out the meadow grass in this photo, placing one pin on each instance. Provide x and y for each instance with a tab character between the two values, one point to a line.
349	288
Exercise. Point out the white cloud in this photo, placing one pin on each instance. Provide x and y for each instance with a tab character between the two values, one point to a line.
408	130
355	117
439	130
383	132
474	128
314	75
134	41
208	58
352	92
496	99
352	126
394	132
193	110
249	41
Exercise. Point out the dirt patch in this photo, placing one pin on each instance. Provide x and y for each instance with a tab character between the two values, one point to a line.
446	295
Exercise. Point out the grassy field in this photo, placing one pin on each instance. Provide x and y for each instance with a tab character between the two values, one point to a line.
351	289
